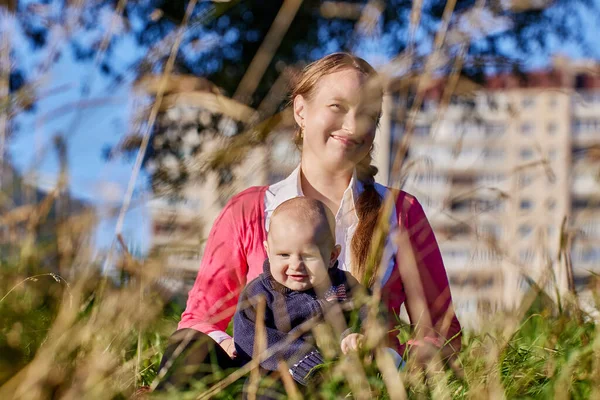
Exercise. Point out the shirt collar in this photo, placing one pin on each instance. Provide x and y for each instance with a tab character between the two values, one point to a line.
291	187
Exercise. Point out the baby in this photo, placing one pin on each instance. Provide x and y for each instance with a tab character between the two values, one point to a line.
300	282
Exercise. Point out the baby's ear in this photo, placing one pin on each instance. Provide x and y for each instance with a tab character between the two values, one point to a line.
335	253
266	246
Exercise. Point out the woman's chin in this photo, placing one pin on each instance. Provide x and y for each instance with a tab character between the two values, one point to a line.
345	155
336	158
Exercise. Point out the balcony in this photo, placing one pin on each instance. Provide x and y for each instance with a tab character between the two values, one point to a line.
585	185
586	103
476	206
586	258
177	232
186	208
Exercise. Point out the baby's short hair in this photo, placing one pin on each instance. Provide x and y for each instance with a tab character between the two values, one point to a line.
305	209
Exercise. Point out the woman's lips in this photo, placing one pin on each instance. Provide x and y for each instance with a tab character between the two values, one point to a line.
345	140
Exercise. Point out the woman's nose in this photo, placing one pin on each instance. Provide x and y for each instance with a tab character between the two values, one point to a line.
350	123
356	123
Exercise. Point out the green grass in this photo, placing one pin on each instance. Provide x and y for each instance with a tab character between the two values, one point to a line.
97	338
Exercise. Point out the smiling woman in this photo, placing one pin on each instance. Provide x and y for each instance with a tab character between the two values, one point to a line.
336	103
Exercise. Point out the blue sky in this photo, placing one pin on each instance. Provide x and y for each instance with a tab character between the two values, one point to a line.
104	123
94	179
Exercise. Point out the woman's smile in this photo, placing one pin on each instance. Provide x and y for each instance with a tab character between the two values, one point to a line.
347	140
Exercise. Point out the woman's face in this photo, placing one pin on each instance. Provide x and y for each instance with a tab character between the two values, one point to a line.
339	120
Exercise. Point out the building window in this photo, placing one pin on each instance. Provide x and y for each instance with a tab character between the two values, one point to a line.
526	153
486	256
525	180
526	204
489	229
466	307
422	130
585	125
583	204
458	255
591	228
553	102
494	129
459	230
526	255
476	205
527	102
164	229
553	154
527	128
490	179
550	204
588	255
524	285
552	128
493	154
525	230
577	127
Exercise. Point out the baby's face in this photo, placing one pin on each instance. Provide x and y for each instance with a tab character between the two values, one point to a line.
298	255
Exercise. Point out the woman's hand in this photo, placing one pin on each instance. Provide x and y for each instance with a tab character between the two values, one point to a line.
352	342
229	347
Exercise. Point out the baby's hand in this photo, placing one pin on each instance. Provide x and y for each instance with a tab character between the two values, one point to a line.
229	347
352	342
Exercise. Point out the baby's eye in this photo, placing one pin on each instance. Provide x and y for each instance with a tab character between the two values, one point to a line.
283	255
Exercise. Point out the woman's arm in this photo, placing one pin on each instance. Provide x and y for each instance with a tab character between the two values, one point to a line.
224	267
428	297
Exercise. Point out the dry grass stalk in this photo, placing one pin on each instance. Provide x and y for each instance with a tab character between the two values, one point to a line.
267	50
151	120
260	345
288	382
389	372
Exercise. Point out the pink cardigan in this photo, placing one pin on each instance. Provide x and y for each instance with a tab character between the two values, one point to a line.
234	255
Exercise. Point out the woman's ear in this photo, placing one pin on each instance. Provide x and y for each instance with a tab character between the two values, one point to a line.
299	110
335	253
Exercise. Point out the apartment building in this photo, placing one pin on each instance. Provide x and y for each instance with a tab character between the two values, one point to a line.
497	172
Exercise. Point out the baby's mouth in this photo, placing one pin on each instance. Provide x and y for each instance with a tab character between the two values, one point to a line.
298	277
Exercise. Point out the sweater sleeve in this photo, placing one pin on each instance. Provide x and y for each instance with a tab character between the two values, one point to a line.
302	355
430	271
222	274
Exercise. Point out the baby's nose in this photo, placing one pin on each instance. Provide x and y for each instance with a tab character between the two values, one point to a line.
297	264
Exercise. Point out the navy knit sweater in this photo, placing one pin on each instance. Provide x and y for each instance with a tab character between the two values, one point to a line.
286	310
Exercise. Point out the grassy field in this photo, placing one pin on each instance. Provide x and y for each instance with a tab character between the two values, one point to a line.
102	338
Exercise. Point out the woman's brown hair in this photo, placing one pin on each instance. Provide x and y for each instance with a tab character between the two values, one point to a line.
368	204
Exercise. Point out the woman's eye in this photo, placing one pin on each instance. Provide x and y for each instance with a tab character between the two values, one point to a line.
372	117
336	106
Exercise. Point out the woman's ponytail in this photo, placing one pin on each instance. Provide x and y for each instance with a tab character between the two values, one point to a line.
366	249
